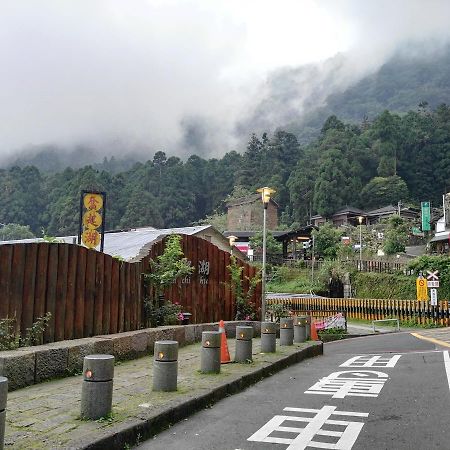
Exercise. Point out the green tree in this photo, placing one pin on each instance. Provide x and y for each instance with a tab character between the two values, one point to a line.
331	184
13	231
396	236
327	241
272	245
384	191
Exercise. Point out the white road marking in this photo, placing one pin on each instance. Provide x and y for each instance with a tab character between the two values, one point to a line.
350	384
371	361
305	436
447	366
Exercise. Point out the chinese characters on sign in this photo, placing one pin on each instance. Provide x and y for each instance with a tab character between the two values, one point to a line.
92	218
203	271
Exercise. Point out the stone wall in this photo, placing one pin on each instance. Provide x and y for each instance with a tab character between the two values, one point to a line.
31	365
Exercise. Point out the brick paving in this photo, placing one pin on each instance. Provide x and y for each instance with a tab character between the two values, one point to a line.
47	415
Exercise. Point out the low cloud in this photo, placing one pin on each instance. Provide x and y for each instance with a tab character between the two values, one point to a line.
188	76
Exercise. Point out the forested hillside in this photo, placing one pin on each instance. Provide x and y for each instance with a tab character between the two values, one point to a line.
367	165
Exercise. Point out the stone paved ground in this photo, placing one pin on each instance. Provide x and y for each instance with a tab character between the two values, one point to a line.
46	416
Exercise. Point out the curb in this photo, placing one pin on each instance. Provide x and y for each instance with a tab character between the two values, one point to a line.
135	430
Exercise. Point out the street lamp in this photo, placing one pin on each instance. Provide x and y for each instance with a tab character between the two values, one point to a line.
265	196
360	220
232	240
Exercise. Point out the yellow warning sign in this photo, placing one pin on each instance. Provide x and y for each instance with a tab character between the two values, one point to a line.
422	289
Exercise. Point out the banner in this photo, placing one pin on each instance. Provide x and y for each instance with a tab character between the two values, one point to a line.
426	214
336	321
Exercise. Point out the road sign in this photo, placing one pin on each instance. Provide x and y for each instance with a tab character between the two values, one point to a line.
433	283
432	275
421	288
433	297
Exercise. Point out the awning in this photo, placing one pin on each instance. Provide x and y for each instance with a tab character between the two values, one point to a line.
443	237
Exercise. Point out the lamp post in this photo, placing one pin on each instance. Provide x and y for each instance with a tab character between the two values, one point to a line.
232	240
360	220
265	196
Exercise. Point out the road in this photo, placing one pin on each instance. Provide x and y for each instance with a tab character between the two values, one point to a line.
395	396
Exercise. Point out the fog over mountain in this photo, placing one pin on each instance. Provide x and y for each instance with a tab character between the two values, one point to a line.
190	76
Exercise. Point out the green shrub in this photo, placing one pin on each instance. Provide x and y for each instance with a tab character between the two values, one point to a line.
10	339
383	285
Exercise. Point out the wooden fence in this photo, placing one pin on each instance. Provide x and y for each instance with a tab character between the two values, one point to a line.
91	293
87	292
372	309
360	266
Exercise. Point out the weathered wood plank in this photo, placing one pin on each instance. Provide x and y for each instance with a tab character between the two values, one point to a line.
50	300
80	293
61	291
89	295
107	281
17	278
29	286
69	319
99	293
6	252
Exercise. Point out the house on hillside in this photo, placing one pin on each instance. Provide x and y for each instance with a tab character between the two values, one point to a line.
440	243
376	215
344	216
350	215
246	213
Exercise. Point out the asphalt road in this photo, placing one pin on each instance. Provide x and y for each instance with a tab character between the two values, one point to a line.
402	401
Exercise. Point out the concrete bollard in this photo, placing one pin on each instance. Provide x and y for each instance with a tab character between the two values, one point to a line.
300	329
165	366
286	331
3	398
210	356
308	328
268	337
244	337
97	388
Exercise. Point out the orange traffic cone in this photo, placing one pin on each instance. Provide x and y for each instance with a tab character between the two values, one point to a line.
224	353
314	335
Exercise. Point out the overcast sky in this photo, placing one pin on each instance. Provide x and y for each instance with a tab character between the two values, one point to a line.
80	71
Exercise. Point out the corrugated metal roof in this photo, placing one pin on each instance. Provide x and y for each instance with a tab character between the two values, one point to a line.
127	244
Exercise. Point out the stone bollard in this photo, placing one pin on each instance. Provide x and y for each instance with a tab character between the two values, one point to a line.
286	331
3	397
308	327
165	366
268	337
97	388
210	356
300	329
244	337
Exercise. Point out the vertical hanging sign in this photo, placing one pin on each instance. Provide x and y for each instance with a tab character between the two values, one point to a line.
425	216
91	233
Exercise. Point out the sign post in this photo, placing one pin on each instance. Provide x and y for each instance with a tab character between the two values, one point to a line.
92	219
433	283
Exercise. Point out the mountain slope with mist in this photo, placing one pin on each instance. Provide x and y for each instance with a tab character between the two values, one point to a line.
399	85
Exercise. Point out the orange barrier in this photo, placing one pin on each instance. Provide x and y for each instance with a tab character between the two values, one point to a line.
224	353
314	335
